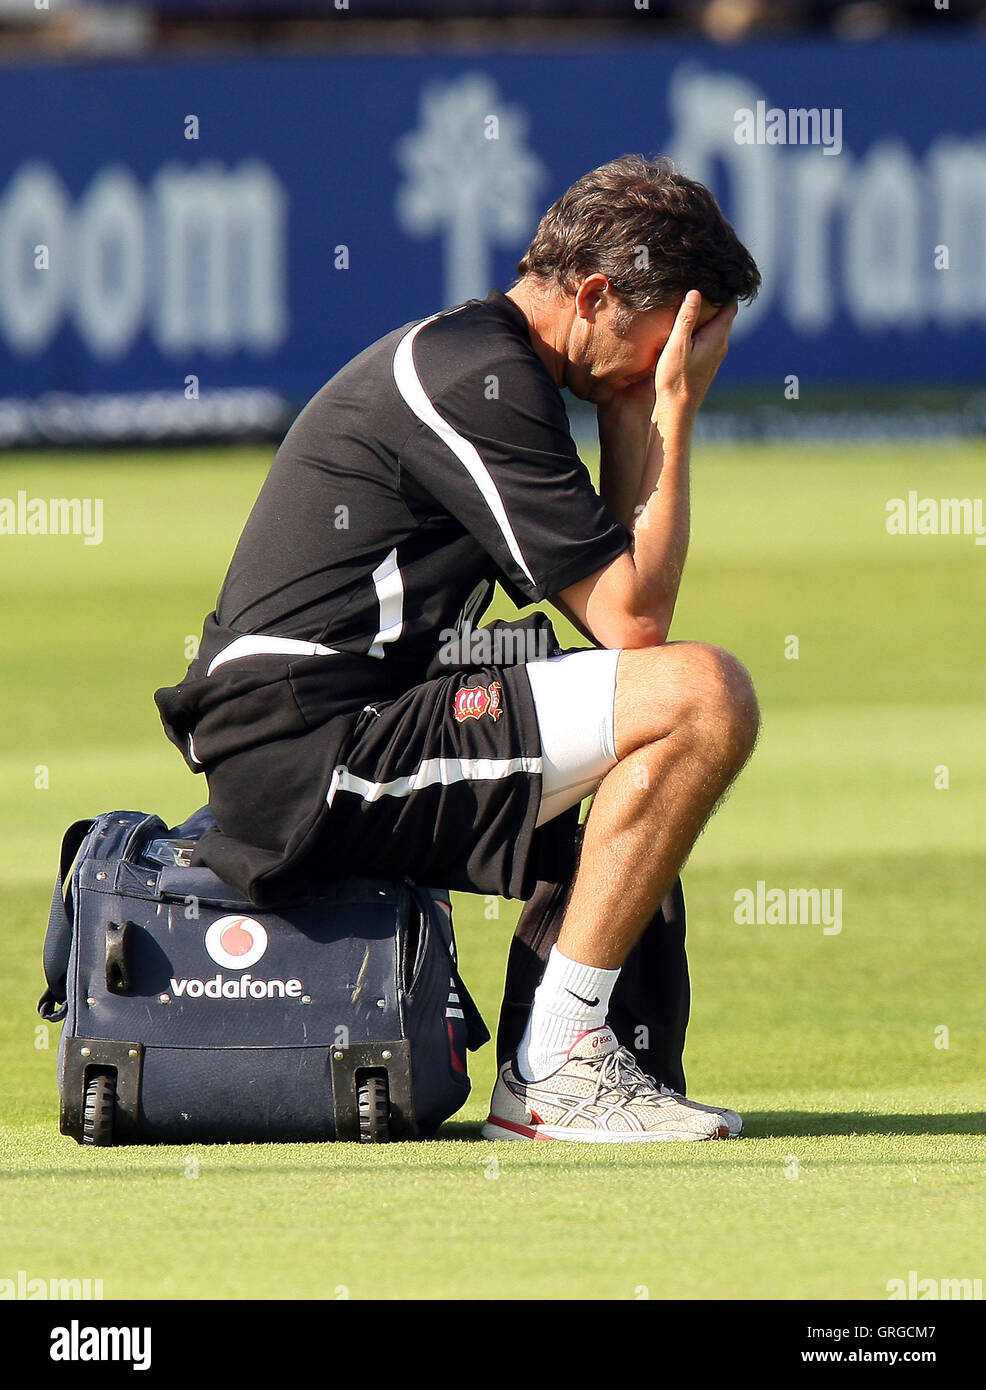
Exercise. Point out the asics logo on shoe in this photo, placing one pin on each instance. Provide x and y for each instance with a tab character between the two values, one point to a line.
591	1003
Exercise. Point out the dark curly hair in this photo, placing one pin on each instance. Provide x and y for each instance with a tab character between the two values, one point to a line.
654	234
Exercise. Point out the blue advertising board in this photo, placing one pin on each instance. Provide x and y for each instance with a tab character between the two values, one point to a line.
196	226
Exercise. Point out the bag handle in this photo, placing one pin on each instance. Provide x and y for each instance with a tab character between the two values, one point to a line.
52	1006
477	1033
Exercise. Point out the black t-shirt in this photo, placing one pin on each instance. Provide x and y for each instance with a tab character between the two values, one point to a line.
432	466
435	463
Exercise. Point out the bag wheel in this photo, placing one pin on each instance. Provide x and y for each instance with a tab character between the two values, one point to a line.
97	1115
374	1110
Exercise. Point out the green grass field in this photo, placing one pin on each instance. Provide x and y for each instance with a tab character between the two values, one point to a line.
865	1151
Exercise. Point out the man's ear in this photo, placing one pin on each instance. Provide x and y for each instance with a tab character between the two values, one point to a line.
589	296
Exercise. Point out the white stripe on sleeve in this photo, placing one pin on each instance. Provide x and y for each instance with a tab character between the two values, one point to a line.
389	584
253	645
409	385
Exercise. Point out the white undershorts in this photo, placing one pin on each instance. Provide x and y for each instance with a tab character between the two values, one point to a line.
574	699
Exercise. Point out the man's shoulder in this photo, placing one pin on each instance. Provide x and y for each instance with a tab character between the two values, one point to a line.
474	358
473	334
448	344
479	356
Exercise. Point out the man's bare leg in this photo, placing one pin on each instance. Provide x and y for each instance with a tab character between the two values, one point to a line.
686	722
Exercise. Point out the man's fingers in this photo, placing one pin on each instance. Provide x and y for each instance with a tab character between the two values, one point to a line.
688	313
728	312
720	323
692	355
679	345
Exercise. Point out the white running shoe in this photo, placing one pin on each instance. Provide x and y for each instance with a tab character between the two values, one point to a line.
598	1096
732	1121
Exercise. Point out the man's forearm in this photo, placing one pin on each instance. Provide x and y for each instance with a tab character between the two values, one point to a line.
623	446
661	528
644	480
645	437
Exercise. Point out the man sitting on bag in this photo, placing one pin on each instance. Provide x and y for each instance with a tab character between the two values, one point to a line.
340	735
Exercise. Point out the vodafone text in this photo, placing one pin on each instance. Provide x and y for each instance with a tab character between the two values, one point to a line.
246	987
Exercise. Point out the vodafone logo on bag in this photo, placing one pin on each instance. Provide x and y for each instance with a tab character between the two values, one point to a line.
236	942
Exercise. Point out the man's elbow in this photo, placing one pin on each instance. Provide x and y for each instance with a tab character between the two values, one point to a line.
646	632
632	632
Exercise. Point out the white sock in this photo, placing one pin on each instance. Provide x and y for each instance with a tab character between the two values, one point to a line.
571	999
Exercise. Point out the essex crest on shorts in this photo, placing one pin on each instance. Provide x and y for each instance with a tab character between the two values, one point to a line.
473	701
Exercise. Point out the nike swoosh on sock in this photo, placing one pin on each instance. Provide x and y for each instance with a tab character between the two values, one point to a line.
590	1003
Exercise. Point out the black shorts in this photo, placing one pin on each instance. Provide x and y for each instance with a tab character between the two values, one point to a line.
442	784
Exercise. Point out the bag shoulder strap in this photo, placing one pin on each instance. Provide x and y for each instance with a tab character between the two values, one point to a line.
477	1033
52	1005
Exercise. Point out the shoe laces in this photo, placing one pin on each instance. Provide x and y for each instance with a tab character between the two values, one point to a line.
619	1071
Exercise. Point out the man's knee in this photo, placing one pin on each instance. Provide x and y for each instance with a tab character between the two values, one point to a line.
687	686
723	701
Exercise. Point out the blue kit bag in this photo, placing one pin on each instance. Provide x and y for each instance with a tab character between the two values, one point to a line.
192	1016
